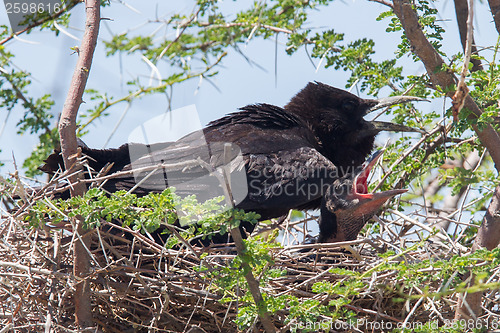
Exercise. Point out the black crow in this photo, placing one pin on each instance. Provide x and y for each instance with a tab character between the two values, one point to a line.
267	159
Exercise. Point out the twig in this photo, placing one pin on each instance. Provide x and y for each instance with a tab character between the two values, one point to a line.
423	226
462	90
406	154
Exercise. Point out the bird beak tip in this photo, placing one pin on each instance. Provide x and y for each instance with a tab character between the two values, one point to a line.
394	100
380	126
389	194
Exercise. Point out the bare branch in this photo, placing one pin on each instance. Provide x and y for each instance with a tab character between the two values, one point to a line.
245	24
383	2
69	150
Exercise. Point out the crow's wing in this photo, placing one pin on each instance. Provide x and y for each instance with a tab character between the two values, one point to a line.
256	129
288	179
262	157
270	170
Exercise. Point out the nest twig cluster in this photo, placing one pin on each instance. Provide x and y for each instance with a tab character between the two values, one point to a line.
140	286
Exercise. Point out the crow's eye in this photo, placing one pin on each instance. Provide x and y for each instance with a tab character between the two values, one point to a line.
349	105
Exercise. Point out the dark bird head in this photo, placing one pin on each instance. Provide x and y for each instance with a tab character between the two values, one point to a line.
347	205
335	116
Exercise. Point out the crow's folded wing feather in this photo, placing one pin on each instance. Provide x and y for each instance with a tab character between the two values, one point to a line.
261	178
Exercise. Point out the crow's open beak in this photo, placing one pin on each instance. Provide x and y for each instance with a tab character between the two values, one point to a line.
393	100
360	185
379	126
343	217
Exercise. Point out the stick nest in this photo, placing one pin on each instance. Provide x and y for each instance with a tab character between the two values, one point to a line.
140	286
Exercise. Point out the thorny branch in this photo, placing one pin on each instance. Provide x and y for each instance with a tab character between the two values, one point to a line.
69	151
